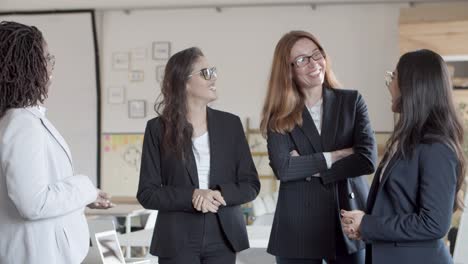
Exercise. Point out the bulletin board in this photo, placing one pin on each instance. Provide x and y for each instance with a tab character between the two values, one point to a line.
121	158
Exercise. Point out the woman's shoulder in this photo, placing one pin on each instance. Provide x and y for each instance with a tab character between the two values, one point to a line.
344	91
434	145
21	117
223	116
346	94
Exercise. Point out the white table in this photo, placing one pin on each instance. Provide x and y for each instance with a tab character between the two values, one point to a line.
258	237
120	210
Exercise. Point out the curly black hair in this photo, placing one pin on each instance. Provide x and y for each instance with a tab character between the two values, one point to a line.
23	66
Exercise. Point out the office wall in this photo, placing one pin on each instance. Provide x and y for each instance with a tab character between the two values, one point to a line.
362	41
72	105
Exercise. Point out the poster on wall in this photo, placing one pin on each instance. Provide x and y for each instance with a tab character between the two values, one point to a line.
120	163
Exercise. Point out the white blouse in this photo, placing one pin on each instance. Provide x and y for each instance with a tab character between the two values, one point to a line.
201	151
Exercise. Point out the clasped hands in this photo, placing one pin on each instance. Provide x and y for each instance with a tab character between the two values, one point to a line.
351	223
102	201
207	200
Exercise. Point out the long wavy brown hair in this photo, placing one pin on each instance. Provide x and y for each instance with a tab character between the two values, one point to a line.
172	103
427	111
284	101
23	66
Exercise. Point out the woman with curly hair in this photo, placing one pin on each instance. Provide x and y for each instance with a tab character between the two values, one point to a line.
41	199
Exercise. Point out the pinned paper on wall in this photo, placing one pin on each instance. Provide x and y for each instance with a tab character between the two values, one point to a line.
120	163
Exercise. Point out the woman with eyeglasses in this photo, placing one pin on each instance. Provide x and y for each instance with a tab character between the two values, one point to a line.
196	169
42	201
414	190
320	143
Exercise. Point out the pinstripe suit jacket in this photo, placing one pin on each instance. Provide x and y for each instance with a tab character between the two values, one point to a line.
306	222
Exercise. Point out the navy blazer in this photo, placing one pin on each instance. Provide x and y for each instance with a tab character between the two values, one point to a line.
306	222
167	184
409	211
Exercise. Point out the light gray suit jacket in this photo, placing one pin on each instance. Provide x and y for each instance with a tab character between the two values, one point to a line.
41	199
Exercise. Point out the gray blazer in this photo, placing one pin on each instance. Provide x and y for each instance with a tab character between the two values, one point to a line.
41	200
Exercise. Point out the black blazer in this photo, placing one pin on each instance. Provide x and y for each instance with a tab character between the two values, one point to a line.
307	221
167	183
409	211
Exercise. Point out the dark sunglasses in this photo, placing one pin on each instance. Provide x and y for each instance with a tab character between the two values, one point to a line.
206	73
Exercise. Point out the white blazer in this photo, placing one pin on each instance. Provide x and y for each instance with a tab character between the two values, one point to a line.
41	200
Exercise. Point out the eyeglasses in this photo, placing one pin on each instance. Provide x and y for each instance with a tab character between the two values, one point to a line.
304	60
206	73
51	59
389	76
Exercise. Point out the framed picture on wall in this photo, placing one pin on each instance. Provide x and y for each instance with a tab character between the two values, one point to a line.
161	50
116	95
160	72
138	54
120	60
136	109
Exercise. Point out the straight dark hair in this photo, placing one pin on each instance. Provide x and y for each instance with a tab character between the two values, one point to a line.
172	102
427	111
23	66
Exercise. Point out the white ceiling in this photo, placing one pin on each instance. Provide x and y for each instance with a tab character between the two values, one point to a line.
23	5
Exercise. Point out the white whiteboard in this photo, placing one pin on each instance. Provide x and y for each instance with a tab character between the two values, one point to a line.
72	105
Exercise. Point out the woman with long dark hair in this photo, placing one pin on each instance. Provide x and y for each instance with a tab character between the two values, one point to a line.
415	189
196	169
42	200
320	144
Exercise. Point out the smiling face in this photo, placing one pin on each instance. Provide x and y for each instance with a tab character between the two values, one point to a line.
311	74
198	88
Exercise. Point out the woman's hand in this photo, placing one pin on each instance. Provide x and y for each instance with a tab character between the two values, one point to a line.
102	201
351	222
207	200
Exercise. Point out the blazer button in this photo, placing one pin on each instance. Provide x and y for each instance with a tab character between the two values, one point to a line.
309	179
351	195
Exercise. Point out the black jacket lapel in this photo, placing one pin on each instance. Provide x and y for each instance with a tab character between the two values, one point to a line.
191	166
377	183
388	170
216	138
330	118
373	191
311	132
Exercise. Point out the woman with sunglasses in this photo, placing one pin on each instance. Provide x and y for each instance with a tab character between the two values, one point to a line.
414	191
320	143
42	200
196	169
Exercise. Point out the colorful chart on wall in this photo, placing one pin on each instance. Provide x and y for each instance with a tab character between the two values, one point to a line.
120	163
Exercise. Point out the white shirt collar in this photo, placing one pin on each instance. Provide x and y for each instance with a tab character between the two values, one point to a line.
38	110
